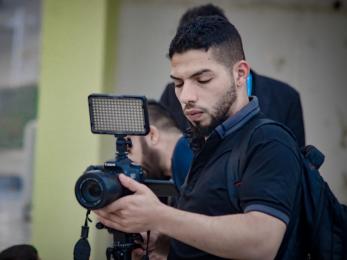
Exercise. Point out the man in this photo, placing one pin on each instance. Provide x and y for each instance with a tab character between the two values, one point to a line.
249	218
163	153
277	100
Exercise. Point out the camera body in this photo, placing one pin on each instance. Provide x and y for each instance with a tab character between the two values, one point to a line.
99	185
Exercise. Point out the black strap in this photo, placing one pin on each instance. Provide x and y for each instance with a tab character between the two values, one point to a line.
146	256
241	143
238	159
238	156
82	247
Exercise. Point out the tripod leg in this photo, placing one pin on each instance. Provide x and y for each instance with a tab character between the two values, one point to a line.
109	253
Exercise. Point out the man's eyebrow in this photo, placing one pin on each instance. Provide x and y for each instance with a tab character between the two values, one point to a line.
193	75
173	77
199	73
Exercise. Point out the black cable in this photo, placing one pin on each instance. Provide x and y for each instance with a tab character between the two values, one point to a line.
146	256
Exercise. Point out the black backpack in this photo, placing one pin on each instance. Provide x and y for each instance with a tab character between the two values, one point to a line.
325	218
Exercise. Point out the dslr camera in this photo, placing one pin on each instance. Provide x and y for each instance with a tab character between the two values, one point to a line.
120	116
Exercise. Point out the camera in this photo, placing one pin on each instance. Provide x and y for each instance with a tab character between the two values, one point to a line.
99	185
120	116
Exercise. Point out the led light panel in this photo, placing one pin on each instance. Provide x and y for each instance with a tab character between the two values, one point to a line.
118	115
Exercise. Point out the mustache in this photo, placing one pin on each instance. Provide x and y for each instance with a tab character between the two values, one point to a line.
188	106
193	106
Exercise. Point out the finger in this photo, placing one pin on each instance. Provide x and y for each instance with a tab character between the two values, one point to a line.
131	184
108	211
99	213
117	206
137	254
144	236
139	251
111	223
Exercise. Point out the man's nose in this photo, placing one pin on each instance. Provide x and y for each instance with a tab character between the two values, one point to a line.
188	93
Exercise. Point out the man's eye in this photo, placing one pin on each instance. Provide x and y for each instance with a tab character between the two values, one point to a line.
204	81
178	84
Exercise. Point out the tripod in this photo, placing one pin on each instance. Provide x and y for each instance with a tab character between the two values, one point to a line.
123	244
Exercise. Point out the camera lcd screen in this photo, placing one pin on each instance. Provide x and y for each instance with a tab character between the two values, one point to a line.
118	115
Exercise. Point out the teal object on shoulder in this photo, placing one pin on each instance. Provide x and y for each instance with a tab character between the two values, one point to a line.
249	84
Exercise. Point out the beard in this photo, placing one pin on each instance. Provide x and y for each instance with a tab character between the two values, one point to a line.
218	114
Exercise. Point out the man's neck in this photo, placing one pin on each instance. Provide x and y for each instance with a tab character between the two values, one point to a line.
240	103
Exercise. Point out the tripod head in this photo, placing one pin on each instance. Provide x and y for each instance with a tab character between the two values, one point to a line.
123	243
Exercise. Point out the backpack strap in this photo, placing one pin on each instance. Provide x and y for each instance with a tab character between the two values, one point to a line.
238	156
238	160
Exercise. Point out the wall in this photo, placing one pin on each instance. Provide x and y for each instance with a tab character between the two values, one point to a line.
75	52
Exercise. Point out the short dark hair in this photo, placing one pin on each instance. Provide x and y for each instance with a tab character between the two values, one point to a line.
201	10
160	117
205	32
19	252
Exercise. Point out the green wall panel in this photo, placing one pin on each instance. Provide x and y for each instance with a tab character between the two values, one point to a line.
77	58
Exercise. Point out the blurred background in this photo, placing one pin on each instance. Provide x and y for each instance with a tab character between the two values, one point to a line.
53	54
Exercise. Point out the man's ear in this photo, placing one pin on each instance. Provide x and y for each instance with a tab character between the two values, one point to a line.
240	73
154	135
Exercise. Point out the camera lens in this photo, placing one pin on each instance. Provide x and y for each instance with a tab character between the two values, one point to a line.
91	191
96	188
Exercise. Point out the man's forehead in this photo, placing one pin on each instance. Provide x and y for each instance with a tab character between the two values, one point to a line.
190	55
190	62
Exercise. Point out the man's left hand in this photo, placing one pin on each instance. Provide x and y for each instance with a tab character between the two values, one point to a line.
133	213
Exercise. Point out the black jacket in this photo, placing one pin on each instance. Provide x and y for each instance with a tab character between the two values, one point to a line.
277	100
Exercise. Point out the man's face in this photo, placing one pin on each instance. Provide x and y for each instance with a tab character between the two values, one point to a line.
205	87
141	153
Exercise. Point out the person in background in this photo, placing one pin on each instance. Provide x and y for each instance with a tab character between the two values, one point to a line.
164	152
277	100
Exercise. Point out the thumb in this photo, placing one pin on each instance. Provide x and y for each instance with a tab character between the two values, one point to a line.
131	184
